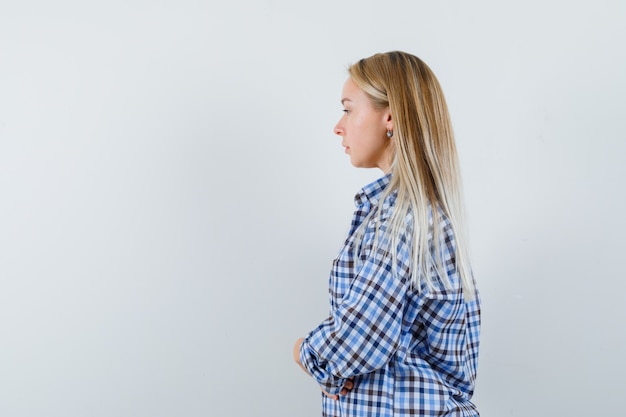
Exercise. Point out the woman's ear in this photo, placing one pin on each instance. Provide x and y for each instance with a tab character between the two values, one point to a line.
388	119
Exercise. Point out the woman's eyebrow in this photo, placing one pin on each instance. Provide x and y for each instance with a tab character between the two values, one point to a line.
343	100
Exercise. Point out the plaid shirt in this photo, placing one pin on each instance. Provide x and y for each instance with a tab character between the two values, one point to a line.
410	353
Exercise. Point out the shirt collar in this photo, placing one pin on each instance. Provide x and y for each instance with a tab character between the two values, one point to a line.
372	191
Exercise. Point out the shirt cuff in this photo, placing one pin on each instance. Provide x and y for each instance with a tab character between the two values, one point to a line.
317	368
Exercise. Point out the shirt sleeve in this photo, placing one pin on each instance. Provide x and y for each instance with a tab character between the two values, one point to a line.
363	332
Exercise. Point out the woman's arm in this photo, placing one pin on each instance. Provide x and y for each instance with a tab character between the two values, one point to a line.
363	332
296	357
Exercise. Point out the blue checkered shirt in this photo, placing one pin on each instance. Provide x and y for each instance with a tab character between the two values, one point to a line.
409	352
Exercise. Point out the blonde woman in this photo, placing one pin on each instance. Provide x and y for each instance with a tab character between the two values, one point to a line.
402	335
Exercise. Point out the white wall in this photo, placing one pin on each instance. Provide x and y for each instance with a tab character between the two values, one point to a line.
172	196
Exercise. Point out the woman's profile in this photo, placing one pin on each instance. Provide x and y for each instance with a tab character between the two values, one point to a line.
402	335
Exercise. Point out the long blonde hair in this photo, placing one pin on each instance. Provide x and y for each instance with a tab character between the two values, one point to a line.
425	169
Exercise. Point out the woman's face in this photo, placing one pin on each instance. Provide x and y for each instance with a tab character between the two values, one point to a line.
363	129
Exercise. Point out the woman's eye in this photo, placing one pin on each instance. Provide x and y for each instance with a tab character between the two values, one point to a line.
346	111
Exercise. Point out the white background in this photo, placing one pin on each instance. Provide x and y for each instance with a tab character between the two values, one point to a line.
172	196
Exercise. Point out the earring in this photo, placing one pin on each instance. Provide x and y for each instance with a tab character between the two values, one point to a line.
389	133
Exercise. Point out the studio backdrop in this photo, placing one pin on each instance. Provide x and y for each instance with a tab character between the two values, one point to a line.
172	196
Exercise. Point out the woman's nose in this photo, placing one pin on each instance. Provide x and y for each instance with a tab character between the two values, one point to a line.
338	130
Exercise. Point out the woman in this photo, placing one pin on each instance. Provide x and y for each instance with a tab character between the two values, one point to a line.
402	335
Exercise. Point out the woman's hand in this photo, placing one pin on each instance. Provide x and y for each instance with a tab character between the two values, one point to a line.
296	354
